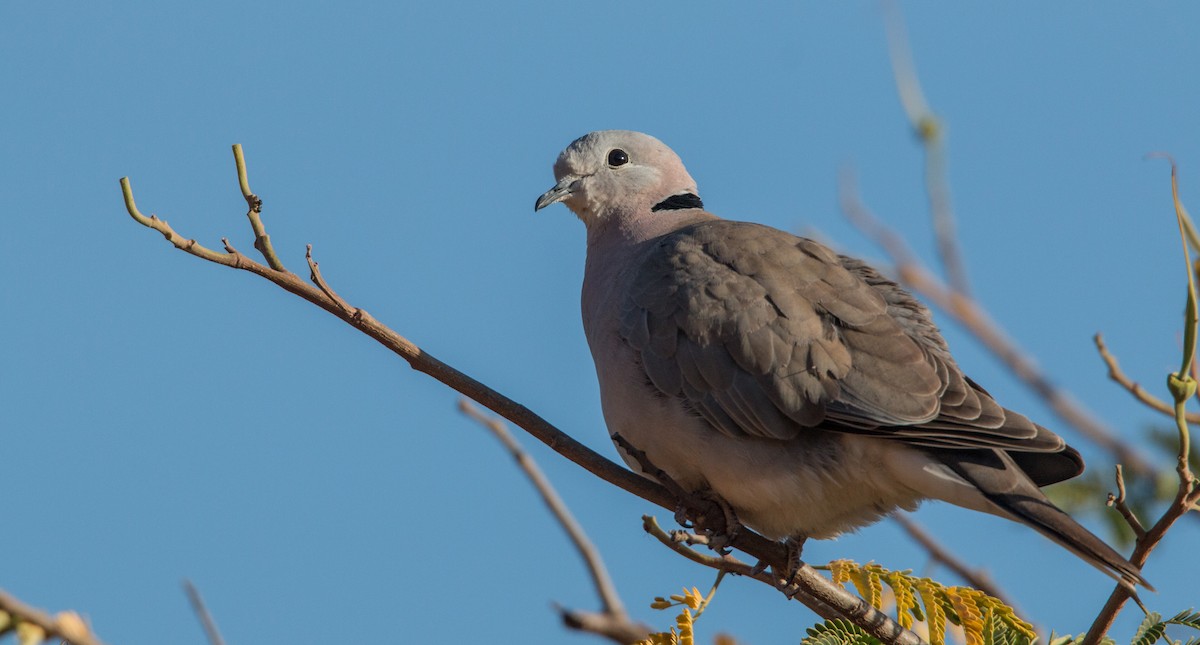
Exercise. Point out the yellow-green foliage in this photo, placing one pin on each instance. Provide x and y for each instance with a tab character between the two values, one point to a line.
683	633
1152	629
984	620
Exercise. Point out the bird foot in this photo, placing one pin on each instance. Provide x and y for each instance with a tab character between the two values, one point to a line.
711	515
787	572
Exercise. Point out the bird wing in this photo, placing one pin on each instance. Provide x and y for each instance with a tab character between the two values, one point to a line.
763	334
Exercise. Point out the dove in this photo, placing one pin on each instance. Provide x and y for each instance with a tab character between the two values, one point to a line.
803	388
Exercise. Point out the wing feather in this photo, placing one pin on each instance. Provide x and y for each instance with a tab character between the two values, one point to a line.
765	334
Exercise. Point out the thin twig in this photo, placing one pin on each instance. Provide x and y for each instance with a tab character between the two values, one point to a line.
979	323
66	626
202	614
609	599
603	624
1118	376
932	134
977	578
262	241
1118	502
816	591
1183	387
314	274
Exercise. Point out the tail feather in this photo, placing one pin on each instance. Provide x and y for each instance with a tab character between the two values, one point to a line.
1004	484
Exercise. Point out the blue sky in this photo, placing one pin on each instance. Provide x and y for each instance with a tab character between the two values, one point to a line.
166	418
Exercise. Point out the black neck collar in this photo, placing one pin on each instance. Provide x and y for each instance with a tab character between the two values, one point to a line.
678	202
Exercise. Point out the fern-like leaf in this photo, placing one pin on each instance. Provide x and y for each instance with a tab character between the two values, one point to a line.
997	631
838	632
1151	629
1187	618
867	583
935	611
839	571
984	619
906	602
968	612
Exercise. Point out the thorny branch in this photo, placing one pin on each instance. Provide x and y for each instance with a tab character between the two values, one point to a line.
613	622
34	625
815	591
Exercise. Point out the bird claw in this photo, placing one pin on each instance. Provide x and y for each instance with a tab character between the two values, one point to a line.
791	567
713	516
681	517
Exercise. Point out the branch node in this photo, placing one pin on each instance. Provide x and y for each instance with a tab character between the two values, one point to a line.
262	241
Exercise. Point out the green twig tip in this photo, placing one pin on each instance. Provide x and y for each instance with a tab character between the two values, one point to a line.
240	160
130	205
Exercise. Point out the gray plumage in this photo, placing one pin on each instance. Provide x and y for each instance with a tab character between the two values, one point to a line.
803	387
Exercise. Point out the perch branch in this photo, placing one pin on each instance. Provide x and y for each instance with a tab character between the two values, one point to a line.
816	591
202	614
66	626
913	273
617	619
829	607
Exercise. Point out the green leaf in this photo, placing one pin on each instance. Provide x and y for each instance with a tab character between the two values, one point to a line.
1186	617
1151	629
996	631
1064	640
838	632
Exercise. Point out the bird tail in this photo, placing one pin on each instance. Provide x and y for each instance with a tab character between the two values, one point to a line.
1006	486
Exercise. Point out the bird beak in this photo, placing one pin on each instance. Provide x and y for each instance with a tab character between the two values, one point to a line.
561	191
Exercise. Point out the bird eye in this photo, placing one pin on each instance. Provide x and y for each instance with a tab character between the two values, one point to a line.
617	157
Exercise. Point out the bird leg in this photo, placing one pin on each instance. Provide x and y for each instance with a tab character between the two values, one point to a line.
787	575
787	570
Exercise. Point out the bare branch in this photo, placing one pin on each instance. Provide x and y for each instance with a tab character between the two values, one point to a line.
977	578
1118	501
262	241
976	320
201	611
66	626
1140	393
817	591
315	275
930	131
190	246
614	610
603	624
